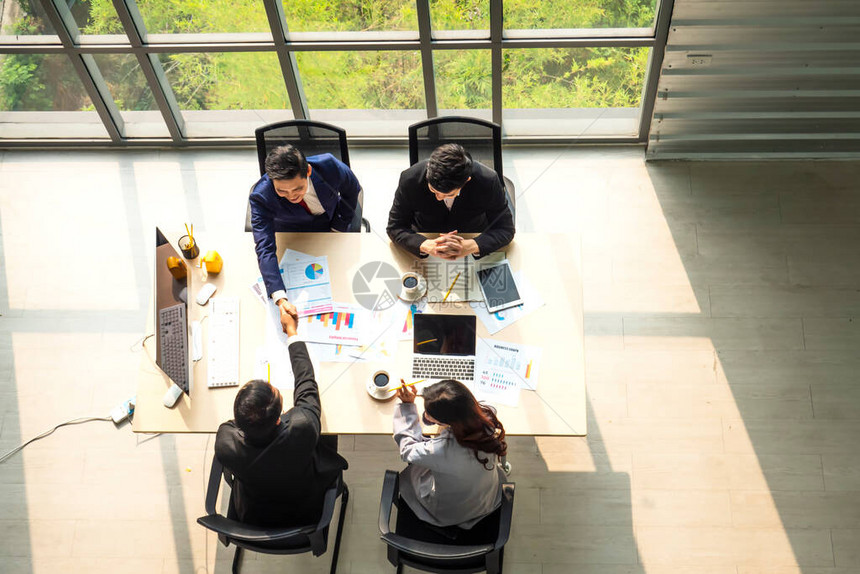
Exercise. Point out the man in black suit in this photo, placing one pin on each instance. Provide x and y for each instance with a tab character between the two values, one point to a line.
281	467
450	194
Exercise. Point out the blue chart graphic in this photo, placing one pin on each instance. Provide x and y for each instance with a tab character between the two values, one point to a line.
313	271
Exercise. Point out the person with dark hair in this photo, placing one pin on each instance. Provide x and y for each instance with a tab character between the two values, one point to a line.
318	193
280	463
450	194
452	479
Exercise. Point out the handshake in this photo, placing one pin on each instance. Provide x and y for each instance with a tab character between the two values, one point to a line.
449	246
289	317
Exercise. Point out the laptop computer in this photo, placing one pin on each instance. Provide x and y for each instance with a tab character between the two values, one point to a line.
443	347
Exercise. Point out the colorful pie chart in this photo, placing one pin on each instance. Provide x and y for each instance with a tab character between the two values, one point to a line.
313	271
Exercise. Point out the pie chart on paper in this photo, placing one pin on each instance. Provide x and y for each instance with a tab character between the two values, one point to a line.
313	271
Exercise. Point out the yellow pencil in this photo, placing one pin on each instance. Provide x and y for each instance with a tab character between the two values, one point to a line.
425	342
405	384
269	372
454	282
190	236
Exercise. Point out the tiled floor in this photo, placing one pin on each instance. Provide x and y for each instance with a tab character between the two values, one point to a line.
722	367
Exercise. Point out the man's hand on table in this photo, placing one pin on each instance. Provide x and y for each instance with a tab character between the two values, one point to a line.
449	246
289	317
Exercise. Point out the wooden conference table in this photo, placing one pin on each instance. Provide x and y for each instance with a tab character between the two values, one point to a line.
550	261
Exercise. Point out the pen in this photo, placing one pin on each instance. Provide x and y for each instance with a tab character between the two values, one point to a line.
454	282
405	384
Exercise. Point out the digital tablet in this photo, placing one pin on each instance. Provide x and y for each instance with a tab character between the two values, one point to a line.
498	286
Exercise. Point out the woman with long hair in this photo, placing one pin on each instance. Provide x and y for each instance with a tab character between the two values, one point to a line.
452	479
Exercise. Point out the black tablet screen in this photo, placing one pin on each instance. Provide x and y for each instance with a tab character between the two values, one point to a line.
498	284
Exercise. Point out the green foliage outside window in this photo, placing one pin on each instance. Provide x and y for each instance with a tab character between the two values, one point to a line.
534	78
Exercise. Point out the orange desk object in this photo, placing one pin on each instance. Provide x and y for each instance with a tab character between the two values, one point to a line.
213	262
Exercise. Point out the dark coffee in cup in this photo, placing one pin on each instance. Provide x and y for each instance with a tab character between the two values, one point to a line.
410	282
380	380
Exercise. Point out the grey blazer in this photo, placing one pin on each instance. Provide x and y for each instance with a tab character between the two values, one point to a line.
444	483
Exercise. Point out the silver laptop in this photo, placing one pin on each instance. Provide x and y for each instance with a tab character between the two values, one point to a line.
443	347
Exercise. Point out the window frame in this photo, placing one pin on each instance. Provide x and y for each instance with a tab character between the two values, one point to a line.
79	48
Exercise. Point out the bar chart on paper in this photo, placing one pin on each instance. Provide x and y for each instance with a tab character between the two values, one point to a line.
338	320
344	325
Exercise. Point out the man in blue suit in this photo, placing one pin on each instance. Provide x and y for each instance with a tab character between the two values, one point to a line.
318	193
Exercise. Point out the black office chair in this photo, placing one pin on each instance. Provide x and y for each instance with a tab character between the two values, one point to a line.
416	544
482	139
313	138
267	540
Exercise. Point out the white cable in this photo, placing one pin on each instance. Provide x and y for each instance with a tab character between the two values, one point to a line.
78	421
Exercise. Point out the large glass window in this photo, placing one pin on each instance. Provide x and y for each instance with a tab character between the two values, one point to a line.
207	16
464	15
41	96
463	82
372	91
219	69
23	19
350	15
96	17
529	14
573	91
247	84
132	95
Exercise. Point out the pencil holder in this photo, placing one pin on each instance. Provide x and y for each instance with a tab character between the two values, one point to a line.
188	247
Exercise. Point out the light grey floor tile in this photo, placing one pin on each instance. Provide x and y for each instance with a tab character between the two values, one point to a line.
831	333
836	401
709	333
841	472
780	301
789	509
846	547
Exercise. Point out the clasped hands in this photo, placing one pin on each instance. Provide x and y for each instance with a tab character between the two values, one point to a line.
449	246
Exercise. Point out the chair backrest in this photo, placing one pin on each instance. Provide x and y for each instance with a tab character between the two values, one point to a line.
270	540
482	139
417	544
312	138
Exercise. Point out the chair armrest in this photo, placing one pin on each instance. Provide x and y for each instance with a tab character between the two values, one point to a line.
246	533
214	485
390	492
430	551
507	514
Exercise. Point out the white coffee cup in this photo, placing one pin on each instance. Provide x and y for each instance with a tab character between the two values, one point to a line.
412	286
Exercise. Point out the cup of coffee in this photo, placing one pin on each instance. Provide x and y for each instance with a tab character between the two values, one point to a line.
412	286
381	379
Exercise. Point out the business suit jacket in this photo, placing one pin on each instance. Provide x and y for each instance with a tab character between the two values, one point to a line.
337	189
444	484
481	208
282	482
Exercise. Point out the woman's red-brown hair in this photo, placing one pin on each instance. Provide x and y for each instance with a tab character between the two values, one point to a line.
474	426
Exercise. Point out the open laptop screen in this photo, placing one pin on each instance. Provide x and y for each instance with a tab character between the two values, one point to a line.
444	334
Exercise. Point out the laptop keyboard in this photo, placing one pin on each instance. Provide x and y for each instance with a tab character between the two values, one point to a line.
439	368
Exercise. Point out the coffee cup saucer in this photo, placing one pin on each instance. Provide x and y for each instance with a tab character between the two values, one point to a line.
380	393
